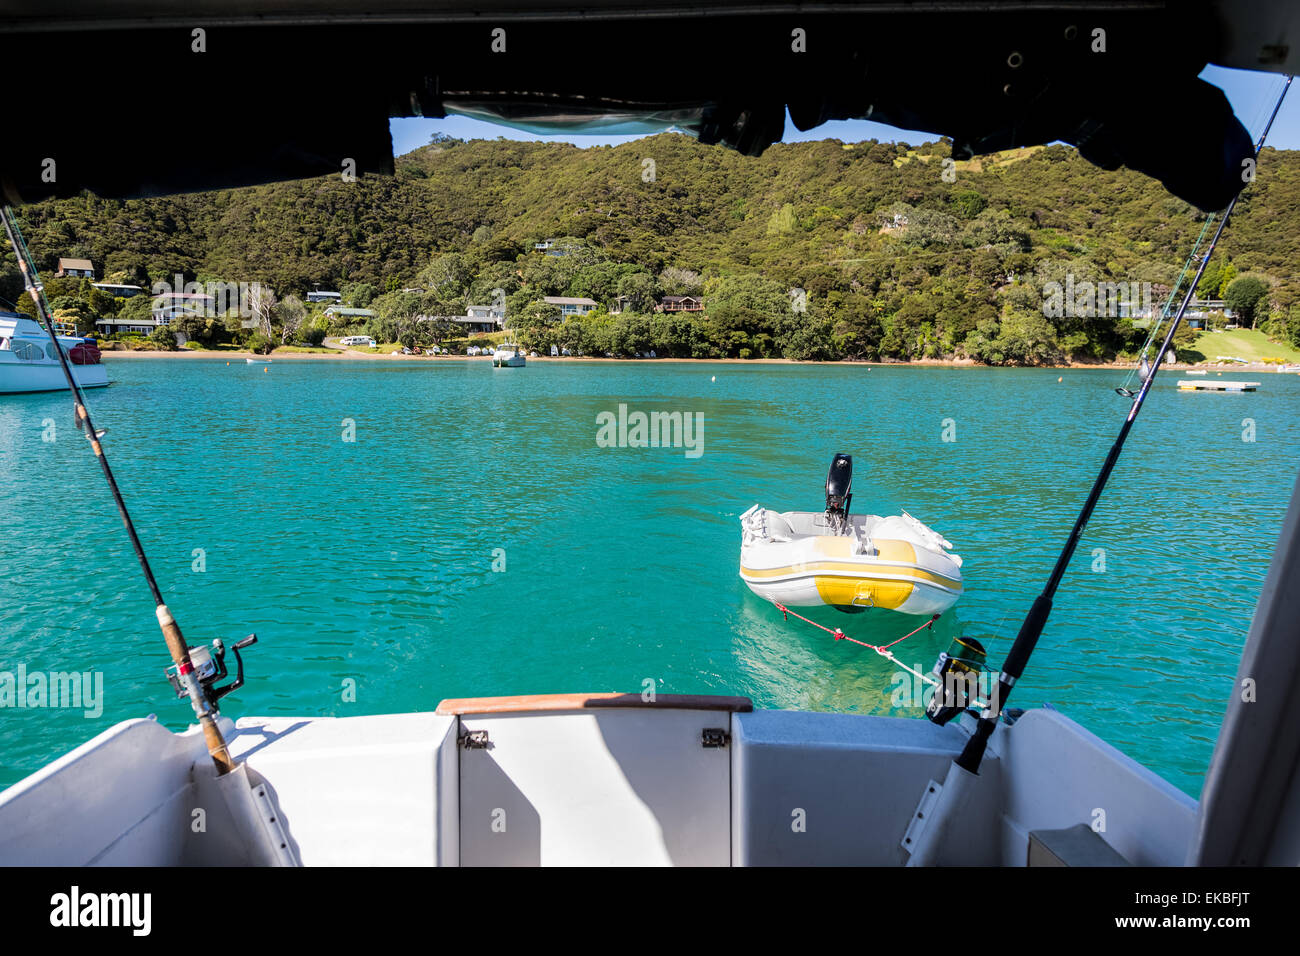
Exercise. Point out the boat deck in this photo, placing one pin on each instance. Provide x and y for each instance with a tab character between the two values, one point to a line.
582	779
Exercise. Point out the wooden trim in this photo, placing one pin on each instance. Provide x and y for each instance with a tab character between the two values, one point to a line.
554	702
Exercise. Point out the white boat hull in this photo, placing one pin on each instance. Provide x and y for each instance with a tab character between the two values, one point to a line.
894	563
29	361
18	376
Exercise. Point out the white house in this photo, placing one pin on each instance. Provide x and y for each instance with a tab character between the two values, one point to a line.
570	305
481	318
176	305
319	295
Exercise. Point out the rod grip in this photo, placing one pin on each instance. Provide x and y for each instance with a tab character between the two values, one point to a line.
973	753
1027	639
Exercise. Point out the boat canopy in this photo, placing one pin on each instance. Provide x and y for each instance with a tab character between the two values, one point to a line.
991	74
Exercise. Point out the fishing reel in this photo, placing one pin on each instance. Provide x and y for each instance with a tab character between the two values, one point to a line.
210	667
958	670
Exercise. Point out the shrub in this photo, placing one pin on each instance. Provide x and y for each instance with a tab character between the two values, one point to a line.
163	338
259	344
312	335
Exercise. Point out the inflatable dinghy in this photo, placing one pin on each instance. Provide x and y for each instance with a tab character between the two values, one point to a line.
850	562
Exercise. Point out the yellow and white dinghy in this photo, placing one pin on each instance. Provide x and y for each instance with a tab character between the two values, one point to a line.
850	562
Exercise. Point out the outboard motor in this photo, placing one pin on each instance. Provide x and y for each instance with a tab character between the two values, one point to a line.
839	492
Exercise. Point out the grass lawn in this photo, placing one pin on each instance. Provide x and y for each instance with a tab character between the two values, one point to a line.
304	349
1244	343
220	347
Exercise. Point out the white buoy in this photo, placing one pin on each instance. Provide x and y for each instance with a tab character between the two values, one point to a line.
714	379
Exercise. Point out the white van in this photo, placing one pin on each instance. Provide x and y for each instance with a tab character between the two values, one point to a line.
358	340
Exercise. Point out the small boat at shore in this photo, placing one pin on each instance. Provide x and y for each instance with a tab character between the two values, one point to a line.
29	362
849	562
253	361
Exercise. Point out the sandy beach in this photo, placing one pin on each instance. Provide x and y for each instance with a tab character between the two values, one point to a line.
349	355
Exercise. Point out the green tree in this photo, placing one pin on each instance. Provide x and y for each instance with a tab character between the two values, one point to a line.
1244	295
1293	327
641	290
137	308
358	295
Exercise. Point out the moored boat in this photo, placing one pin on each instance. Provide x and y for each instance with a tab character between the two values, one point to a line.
29	363
508	355
849	562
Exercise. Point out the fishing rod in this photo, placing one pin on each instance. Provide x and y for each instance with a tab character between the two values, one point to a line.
966	766
188	681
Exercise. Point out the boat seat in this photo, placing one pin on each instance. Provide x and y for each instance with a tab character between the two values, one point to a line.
1079	845
778	528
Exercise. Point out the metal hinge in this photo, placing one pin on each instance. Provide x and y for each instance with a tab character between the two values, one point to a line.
921	816
475	740
715	737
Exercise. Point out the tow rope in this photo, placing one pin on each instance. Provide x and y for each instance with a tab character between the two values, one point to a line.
882	649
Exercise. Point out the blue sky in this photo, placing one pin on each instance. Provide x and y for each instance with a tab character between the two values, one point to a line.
1252	96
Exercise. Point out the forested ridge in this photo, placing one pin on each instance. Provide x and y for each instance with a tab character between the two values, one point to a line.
895	260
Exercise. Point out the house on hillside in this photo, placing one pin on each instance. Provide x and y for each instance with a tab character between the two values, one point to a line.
319	295
485	318
479	318
75	269
108	325
570	305
470	325
1201	314
556	247
339	312
680	303
175	305
118	289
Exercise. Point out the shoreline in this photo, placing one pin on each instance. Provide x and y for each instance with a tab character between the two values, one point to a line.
342	356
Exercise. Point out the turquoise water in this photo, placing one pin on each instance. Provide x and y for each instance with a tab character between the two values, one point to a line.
371	561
